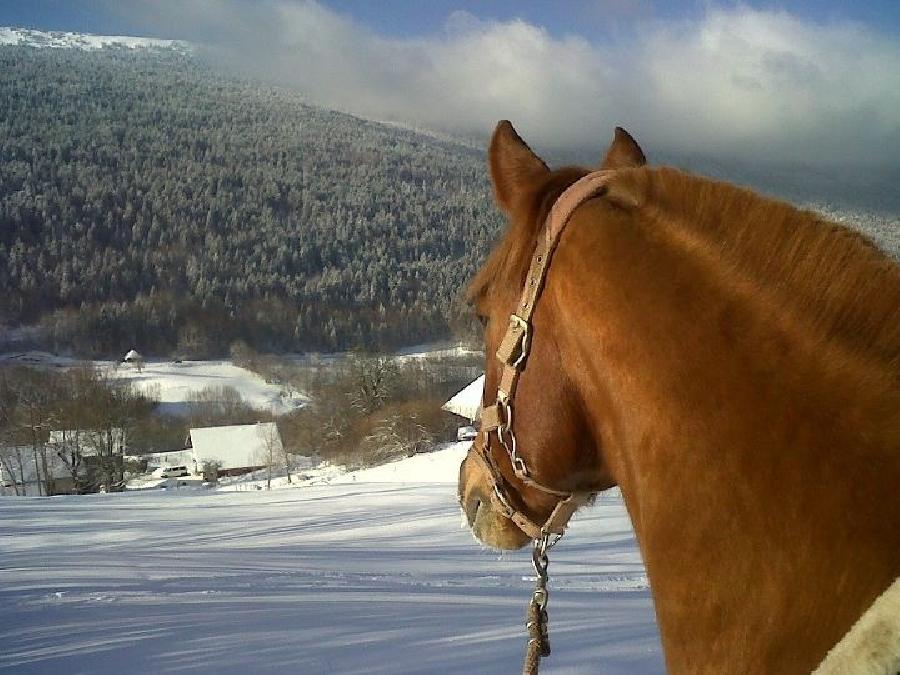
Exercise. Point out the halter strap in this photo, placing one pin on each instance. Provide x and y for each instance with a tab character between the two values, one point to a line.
512	353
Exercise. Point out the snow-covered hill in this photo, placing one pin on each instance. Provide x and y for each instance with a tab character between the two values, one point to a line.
359	577
66	40
173	383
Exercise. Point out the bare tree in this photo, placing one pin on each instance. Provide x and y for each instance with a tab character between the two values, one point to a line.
213	406
32	419
115	408
374	379
210	470
13	467
285	456
72	413
10	455
271	451
395	435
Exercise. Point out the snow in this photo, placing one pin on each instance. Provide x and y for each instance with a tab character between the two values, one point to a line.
357	576
86	41
435	350
173	384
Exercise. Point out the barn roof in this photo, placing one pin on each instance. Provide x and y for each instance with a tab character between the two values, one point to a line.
56	467
239	446
466	402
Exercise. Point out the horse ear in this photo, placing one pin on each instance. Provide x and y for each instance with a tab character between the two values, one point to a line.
514	167
623	153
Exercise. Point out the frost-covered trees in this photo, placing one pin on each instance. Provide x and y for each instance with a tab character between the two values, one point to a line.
145	199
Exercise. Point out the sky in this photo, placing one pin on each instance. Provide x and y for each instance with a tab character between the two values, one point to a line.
812	81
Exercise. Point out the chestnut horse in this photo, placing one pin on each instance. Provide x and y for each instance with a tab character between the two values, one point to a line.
732	363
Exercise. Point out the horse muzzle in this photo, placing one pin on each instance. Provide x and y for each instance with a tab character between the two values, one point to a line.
489	527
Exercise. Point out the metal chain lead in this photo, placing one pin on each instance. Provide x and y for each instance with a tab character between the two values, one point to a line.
536	619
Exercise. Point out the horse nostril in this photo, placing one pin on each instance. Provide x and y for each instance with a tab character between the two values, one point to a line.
472	506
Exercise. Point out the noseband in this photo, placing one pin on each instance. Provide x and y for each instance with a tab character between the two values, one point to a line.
513	353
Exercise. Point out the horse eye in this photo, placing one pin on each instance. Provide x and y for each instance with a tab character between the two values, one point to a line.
483	320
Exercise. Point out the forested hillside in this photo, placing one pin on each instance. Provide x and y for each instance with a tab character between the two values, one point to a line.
148	201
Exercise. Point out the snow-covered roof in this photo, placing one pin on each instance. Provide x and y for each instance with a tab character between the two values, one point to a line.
235	447
55	466
467	402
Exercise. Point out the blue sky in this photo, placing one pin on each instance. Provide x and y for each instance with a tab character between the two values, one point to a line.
813	81
407	18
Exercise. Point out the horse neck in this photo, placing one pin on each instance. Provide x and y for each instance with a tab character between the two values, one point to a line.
735	439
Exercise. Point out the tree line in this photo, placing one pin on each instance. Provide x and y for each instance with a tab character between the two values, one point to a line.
65	426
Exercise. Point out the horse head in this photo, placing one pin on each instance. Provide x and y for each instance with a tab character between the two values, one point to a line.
553	434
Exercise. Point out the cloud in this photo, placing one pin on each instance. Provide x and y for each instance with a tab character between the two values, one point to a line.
733	83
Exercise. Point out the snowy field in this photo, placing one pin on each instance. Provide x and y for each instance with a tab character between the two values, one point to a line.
371	573
173	384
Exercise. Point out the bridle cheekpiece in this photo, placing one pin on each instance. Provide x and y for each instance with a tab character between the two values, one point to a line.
513	353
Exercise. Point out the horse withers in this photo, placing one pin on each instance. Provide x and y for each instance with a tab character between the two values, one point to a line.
732	363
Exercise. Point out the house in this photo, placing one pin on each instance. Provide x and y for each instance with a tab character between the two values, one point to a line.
21	475
467	403
235	449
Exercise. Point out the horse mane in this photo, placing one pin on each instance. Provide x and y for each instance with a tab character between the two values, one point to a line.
829	275
835	278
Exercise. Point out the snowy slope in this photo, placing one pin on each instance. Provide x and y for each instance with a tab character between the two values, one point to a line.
174	383
360	577
86	41
441	466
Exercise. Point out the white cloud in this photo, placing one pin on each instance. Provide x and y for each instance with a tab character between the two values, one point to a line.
737	83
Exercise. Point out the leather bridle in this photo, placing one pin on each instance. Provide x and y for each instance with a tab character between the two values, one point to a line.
497	418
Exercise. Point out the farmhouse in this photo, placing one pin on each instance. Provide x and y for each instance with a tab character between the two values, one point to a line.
467	402
235	449
21	475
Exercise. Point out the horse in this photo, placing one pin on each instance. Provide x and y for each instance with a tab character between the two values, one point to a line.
732	364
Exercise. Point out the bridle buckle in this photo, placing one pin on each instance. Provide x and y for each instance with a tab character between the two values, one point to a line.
524	342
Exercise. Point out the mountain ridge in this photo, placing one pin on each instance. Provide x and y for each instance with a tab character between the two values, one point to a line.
29	37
